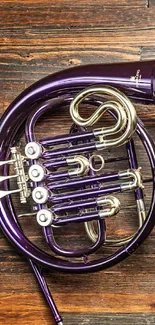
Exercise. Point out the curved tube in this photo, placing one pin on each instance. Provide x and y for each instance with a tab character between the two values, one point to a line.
64	85
70	82
82	169
124	109
74	79
31	251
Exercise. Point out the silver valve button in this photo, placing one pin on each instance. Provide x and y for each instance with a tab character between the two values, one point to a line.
40	195
44	217
36	173
33	150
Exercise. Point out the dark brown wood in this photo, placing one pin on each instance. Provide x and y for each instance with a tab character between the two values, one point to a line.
38	38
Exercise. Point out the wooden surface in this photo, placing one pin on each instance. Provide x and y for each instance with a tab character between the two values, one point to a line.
38	38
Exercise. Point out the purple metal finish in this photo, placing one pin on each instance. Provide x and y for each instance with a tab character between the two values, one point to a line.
49	164
134	164
137	81
74	79
69	151
47	231
85	194
83	252
81	181
67	138
12	231
71	81
75	218
44	287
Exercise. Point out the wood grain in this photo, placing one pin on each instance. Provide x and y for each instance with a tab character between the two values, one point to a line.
38	38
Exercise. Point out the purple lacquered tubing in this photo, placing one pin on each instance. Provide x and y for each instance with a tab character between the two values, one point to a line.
57	175
85	194
80	252
11	230
47	231
84	252
38	111
49	164
42	282
134	164
61	162
69	151
71	81
67	138
83	181
76	218
74	79
55	163
38	271
74	205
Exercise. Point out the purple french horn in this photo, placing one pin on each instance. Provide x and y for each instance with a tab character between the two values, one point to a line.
63	176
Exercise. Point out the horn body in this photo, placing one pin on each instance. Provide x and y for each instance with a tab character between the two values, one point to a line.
136	80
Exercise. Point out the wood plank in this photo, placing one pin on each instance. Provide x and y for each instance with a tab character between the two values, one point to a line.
34	318
113	303
54	15
110	319
78	39
38	38
118	280
84	3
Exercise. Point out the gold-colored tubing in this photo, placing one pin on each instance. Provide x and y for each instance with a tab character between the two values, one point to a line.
83	163
123	107
91	231
113	203
136	183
